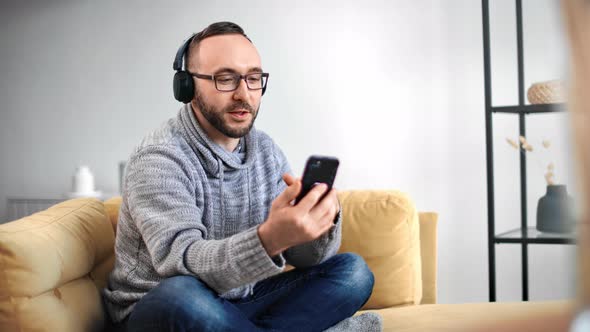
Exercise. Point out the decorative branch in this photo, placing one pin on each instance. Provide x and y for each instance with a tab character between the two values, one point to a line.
524	146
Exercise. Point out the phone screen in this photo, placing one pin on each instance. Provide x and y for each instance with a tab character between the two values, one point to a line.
318	169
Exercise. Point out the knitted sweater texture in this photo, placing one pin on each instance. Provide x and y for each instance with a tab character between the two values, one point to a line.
192	208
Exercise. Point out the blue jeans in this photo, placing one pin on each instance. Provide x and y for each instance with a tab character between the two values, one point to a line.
308	299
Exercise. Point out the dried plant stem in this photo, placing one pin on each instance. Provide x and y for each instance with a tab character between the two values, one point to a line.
548	169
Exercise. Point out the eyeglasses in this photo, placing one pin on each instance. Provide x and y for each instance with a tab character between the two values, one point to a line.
231	81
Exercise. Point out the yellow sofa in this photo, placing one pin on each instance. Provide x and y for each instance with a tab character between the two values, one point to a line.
53	264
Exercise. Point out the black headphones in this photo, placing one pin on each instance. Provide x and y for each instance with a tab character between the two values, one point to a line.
183	84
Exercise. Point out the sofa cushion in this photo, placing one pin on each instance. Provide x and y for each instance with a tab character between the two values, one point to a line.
112	206
464	316
383	227
48	263
428	249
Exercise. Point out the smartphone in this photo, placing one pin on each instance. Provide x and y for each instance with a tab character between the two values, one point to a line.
318	169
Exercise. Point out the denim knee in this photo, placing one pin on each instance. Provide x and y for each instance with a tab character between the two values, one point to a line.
181	283
192	298
180	303
355	273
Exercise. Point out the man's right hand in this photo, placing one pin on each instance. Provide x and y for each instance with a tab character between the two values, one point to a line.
289	225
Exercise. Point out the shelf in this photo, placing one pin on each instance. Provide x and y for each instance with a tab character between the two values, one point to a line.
534	236
525	235
530	109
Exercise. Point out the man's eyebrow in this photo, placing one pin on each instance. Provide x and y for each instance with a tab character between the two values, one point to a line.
255	70
231	70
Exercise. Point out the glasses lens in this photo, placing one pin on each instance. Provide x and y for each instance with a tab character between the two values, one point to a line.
226	82
255	81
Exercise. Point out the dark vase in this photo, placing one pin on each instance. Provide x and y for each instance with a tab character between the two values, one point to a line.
555	210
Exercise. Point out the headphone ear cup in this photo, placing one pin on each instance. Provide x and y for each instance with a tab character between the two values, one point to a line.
184	86
265	85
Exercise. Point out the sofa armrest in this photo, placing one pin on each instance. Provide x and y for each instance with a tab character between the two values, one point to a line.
111	207
428	230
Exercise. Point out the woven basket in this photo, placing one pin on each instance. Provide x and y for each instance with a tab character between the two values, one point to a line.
547	92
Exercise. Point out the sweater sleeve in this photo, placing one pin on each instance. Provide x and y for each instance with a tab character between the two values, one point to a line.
161	197
322	248
318	250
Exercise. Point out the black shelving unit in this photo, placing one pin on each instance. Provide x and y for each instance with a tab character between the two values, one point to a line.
522	235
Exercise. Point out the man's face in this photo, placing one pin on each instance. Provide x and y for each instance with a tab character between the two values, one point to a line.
230	113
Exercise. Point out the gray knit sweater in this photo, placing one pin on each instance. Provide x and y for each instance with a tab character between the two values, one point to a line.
192	208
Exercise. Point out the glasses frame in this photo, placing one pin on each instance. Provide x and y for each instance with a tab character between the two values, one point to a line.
241	77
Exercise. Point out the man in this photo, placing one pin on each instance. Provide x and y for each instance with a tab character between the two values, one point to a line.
208	222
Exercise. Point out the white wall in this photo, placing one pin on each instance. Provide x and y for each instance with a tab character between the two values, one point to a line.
393	88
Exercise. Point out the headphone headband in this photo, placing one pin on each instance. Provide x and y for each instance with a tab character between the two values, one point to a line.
177	65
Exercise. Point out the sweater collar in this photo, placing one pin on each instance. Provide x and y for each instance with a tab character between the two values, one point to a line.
212	155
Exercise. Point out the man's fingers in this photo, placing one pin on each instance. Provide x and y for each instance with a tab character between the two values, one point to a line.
289	179
326	222
324	207
311	199
291	192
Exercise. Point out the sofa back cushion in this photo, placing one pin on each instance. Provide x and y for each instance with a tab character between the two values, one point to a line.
52	265
383	228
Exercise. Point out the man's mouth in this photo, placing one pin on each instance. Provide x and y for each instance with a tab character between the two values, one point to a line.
240	110
239	113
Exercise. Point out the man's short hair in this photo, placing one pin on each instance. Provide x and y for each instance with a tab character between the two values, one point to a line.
215	29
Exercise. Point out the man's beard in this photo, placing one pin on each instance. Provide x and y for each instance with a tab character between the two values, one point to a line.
215	116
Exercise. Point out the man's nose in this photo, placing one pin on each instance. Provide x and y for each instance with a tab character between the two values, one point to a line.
242	92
